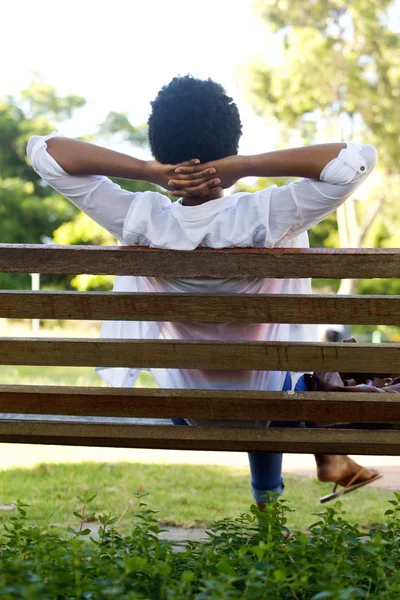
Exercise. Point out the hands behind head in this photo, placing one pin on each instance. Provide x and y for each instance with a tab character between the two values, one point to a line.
194	179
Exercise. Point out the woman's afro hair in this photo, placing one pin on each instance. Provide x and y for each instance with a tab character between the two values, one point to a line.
193	118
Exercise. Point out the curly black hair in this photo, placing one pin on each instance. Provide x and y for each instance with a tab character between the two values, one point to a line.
193	118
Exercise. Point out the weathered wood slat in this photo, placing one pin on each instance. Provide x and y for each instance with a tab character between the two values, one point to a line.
202	438
201	404
218	308
173	354
234	262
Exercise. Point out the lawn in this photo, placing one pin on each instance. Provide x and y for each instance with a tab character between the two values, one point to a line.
185	495
80	376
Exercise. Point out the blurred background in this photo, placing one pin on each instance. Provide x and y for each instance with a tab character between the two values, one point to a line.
301	71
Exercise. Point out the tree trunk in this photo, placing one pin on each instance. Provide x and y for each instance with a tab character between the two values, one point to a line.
352	233
347	286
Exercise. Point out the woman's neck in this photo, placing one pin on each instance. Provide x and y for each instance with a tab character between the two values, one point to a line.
197	200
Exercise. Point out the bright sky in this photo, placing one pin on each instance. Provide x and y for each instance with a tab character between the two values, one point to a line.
118	54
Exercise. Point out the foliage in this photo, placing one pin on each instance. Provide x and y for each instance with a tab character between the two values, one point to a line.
247	557
32	212
340	63
119	124
29	210
335	75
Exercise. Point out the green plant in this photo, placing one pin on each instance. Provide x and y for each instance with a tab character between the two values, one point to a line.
248	557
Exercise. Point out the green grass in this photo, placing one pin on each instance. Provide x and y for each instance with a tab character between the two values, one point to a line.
80	376
185	495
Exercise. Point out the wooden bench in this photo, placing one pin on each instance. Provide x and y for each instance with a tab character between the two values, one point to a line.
88	415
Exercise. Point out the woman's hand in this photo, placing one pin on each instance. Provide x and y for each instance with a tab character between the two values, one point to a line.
228	171
196	180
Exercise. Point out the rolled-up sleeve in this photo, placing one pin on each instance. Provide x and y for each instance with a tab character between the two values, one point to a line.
294	208
350	168
101	199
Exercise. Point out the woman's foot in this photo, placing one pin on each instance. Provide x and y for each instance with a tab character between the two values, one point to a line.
340	469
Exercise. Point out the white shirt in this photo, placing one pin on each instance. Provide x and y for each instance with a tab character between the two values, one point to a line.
273	217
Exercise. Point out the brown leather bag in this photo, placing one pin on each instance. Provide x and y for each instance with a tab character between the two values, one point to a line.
378	383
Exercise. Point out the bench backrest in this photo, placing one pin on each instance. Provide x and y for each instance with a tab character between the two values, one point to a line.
232	355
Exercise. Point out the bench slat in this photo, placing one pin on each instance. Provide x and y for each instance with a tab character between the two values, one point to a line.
234	262
275	356
218	308
201	404
201	438
263	263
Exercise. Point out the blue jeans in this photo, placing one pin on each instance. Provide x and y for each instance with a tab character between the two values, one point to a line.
266	467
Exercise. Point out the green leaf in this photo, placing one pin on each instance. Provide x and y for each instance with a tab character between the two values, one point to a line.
187	576
73	531
303	539
226	568
279	574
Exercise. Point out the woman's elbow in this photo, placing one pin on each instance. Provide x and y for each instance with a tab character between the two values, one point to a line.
370	155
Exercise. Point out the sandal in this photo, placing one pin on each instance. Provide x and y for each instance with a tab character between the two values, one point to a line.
352	485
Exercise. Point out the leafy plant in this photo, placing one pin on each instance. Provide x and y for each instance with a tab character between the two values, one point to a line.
249	557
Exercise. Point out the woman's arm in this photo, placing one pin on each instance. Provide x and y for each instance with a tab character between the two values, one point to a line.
81	158
308	162
78	171
331	173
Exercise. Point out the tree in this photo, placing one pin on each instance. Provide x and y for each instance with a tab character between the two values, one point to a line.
118	124
337	76
32	212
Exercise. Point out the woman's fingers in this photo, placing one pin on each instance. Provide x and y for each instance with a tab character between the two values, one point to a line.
193	180
187	163
187	170
350	382
192	184
193	174
195	190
